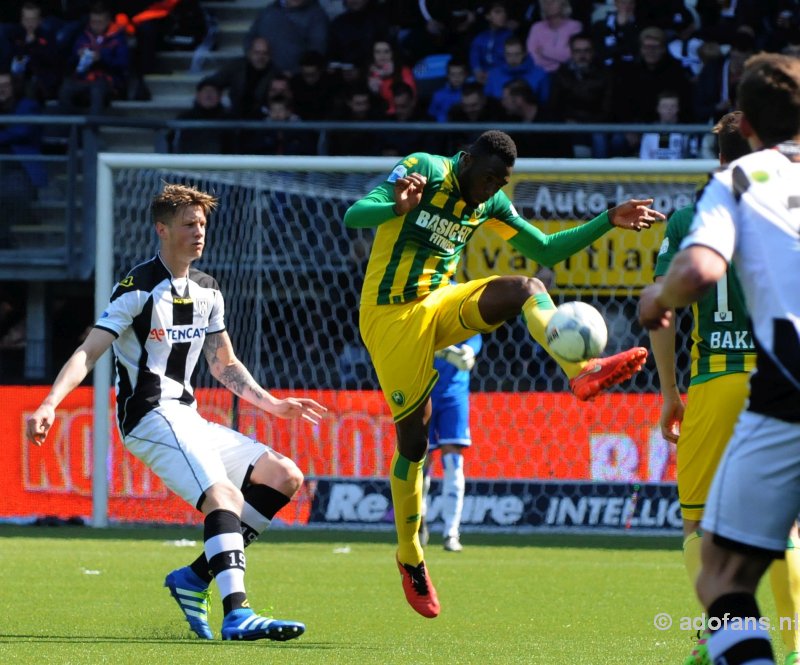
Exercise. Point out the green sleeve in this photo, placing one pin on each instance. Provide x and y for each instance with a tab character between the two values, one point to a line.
554	248
377	207
374	209
677	228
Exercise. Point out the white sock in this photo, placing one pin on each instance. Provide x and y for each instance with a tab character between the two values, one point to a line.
740	644
452	493
231	579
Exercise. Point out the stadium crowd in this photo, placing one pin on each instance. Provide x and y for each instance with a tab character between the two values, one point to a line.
619	61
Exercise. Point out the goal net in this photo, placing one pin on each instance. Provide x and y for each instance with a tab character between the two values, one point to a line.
291	274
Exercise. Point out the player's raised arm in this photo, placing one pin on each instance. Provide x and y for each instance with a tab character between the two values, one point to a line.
550	249
229	370
399	195
72	373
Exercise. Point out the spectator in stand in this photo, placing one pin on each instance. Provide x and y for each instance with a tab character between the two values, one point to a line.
487	48
715	91
360	106
616	37
442	26
19	180
475	107
548	39
246	79
34	58
521	105
207	106
64	20
384	71
291	27
279	86
581	92
99	64
784	28
312	88
668	145
517	64
653	71
273	141
406	109
686	48
720	19
672	16
353	31
450	93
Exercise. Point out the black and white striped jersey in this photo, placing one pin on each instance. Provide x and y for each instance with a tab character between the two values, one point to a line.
750	214
160	323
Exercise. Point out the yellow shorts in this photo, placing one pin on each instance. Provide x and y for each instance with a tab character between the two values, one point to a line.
401	340
711	411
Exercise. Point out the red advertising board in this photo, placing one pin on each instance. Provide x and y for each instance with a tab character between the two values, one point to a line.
525	436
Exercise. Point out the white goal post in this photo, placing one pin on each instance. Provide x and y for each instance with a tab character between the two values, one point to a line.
266	191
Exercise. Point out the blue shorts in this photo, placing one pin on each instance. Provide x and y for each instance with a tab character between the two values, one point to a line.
450	424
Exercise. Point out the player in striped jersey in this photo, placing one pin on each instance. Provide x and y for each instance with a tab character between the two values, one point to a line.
750	214
723	355
162	315
425	213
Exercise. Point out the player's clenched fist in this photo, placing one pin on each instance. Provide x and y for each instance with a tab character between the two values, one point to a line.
408	192
39	424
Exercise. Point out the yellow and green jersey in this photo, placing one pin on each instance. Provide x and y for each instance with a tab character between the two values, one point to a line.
415	254
723	340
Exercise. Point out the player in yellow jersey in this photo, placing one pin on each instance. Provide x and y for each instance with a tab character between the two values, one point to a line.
425	213
723	355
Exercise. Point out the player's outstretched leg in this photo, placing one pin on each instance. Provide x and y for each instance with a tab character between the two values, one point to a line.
192	594
244	624
602	373
589	378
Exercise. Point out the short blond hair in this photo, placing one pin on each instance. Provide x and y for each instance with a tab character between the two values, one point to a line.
173	197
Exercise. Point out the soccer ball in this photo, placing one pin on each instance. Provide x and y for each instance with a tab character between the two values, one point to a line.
577	332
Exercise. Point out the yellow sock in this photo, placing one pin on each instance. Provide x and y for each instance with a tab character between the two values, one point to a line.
405	478
691	555
784	578
538	310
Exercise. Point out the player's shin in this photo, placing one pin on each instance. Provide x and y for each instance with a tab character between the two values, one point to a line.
692	546
738	636
784	577
406	479
538	310
453	485
224	548
261	504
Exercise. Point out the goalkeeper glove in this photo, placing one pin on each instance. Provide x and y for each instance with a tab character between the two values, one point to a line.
461	357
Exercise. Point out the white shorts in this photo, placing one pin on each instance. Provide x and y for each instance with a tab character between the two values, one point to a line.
189	453
755	495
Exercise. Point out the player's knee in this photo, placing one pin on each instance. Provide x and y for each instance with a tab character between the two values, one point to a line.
223	496
292	479
532	286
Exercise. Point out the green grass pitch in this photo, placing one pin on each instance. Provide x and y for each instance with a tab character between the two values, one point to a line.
74	595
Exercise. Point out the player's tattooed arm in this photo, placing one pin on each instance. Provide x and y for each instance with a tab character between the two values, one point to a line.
228	370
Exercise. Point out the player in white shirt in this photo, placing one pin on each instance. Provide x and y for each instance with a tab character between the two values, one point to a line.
160	317
750	214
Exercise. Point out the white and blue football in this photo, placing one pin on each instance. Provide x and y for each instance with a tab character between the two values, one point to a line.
577	332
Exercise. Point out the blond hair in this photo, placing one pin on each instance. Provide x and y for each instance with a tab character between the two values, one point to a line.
173	197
